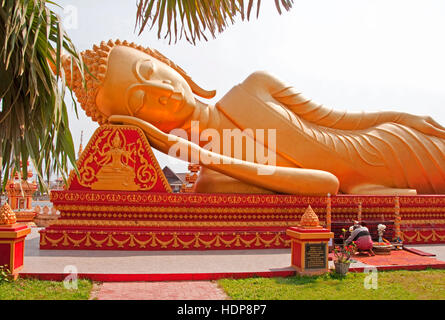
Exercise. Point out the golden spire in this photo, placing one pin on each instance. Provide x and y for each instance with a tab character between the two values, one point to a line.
7	216
309	219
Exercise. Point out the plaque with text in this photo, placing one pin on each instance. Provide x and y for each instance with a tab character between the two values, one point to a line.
315	255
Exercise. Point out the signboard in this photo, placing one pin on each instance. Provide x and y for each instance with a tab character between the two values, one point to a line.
315	256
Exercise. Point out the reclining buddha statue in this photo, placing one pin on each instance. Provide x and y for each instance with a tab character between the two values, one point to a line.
318	150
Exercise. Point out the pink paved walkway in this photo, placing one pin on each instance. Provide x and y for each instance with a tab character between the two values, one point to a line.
174	290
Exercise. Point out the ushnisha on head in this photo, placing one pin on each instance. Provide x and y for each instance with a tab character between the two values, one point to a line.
127	79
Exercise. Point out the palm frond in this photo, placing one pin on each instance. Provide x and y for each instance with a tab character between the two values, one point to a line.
197	18
33	118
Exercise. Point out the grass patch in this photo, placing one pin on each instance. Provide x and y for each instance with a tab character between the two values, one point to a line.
33	289
392	285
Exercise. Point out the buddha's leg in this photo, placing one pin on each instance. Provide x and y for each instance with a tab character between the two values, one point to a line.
373	189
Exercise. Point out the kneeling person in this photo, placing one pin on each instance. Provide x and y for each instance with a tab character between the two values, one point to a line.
362	238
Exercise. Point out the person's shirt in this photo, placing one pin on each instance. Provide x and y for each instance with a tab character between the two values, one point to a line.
357	233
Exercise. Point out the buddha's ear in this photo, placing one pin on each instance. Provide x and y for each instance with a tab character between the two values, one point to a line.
201	92
197	89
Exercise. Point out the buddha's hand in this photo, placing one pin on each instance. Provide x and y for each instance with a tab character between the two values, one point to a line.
424	124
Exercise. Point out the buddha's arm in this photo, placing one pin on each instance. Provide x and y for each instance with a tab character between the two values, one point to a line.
328	117
278	179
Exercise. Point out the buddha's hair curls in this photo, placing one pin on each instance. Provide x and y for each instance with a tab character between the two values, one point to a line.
96	61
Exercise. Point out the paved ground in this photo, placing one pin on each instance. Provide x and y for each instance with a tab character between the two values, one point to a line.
152	262
399	258
165	263
437	249
172	290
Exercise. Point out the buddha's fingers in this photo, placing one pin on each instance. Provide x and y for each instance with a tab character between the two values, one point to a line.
433	130
423	124
435	123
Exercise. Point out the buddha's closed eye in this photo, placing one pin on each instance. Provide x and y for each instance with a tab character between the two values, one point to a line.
150	93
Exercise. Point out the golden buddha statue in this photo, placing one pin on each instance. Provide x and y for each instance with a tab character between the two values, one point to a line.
318	150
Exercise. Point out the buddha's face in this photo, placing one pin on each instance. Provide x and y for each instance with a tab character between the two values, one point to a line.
139	85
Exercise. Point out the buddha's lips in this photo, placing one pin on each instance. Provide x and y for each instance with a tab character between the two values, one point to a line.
177	96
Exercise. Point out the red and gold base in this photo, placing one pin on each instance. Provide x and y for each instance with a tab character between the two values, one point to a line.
149	239
431	234
166	221
12	246
162	221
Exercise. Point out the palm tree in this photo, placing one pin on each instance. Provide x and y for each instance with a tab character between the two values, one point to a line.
33	114
193	19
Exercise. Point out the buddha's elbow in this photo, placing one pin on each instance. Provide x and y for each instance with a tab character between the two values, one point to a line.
326	183
332	184
312	183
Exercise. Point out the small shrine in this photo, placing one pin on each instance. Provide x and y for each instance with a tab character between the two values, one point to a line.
12	240
20	192
309	245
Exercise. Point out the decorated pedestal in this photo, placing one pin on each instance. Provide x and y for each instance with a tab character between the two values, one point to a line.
12	241
309	245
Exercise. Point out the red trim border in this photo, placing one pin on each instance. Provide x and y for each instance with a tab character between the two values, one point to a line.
101	277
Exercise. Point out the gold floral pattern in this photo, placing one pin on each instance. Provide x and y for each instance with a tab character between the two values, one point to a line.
151	240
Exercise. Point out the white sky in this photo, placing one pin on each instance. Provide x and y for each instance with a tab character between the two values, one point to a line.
349	54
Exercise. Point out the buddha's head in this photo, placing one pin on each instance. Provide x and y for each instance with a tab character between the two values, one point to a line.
136	81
